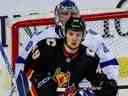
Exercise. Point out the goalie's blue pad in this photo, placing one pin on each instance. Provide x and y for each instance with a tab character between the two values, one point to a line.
22	84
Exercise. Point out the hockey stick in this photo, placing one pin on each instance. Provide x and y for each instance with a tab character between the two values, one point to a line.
123	87
8	68
6	60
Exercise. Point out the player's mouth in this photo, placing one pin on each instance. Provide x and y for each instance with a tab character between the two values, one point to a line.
74	43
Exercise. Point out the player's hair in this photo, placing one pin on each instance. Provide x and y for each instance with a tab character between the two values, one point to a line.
66	5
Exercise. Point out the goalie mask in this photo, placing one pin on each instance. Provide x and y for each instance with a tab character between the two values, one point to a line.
63	8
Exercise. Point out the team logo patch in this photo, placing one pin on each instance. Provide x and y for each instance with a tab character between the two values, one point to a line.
51	42
61	78
90	52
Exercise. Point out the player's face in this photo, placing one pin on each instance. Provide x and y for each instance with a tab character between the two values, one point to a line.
65	15
73	39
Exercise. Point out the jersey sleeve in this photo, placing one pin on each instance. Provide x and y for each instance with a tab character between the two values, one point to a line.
31	44
31	67
108	62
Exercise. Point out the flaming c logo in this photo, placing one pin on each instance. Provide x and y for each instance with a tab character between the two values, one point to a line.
61	78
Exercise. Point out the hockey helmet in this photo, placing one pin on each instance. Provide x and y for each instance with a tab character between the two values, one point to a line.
66	5
75	24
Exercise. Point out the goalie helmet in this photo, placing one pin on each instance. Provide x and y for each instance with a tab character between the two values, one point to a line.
66	5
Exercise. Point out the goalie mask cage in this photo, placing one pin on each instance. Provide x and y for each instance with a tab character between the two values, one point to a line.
111	25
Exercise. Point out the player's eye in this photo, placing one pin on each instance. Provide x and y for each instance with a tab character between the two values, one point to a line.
64	13
78	35
71	34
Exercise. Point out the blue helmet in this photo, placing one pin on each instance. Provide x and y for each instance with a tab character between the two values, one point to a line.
66	5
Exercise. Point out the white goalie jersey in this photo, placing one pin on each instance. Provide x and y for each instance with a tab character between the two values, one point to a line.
108	62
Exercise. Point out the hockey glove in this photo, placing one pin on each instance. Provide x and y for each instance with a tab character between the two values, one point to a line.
71	91
108	88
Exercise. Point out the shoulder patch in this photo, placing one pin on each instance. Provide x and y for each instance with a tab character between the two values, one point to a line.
90	52
51	42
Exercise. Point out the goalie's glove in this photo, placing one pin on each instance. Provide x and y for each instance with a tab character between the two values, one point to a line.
108	88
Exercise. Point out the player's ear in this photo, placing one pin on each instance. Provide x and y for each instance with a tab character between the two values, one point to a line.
84	35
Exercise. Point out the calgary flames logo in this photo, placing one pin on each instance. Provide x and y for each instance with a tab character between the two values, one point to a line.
61	78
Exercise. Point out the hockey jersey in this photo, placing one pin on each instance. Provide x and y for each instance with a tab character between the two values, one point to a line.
92	40
48	61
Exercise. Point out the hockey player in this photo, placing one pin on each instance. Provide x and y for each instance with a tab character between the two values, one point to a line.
92	40
64	62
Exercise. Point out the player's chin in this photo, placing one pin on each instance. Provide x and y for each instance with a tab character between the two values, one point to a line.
74	47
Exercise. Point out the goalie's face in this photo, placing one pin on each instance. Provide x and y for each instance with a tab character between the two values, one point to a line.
73	39
65	15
